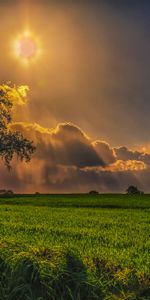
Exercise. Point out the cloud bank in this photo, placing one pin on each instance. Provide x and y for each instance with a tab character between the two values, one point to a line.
68	160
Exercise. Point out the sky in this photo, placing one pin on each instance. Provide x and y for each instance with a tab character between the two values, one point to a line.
88	104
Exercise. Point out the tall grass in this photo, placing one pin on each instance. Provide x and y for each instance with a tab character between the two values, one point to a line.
75	247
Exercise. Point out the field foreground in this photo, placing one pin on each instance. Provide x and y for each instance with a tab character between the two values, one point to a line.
78	247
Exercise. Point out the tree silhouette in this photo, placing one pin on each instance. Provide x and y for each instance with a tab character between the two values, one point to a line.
133	190
93	192
12	142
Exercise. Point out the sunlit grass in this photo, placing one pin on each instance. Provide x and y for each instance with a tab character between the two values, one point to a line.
75	247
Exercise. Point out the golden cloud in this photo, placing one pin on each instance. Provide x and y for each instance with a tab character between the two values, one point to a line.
129	165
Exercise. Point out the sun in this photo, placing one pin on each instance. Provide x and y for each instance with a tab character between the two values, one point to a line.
26	47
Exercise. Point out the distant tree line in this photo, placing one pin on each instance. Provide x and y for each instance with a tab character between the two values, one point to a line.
6	193
131	190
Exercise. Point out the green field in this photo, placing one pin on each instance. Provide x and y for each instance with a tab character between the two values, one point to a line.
75	247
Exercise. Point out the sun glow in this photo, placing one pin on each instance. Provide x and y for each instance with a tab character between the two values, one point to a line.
27	47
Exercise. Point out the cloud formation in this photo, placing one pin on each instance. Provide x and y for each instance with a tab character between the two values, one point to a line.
68	160
104	150
67	144
123	153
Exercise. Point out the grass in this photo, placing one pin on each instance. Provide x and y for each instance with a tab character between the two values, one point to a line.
75	247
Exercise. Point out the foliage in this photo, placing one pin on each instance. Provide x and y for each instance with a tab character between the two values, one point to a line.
133	190
93	192
75	247
12	142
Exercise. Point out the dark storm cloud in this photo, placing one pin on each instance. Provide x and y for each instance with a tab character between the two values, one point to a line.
66	144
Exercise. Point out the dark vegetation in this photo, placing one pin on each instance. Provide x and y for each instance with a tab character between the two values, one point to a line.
93	192
79	200
11	142
133	190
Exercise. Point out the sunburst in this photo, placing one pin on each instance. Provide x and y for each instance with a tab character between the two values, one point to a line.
27	47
